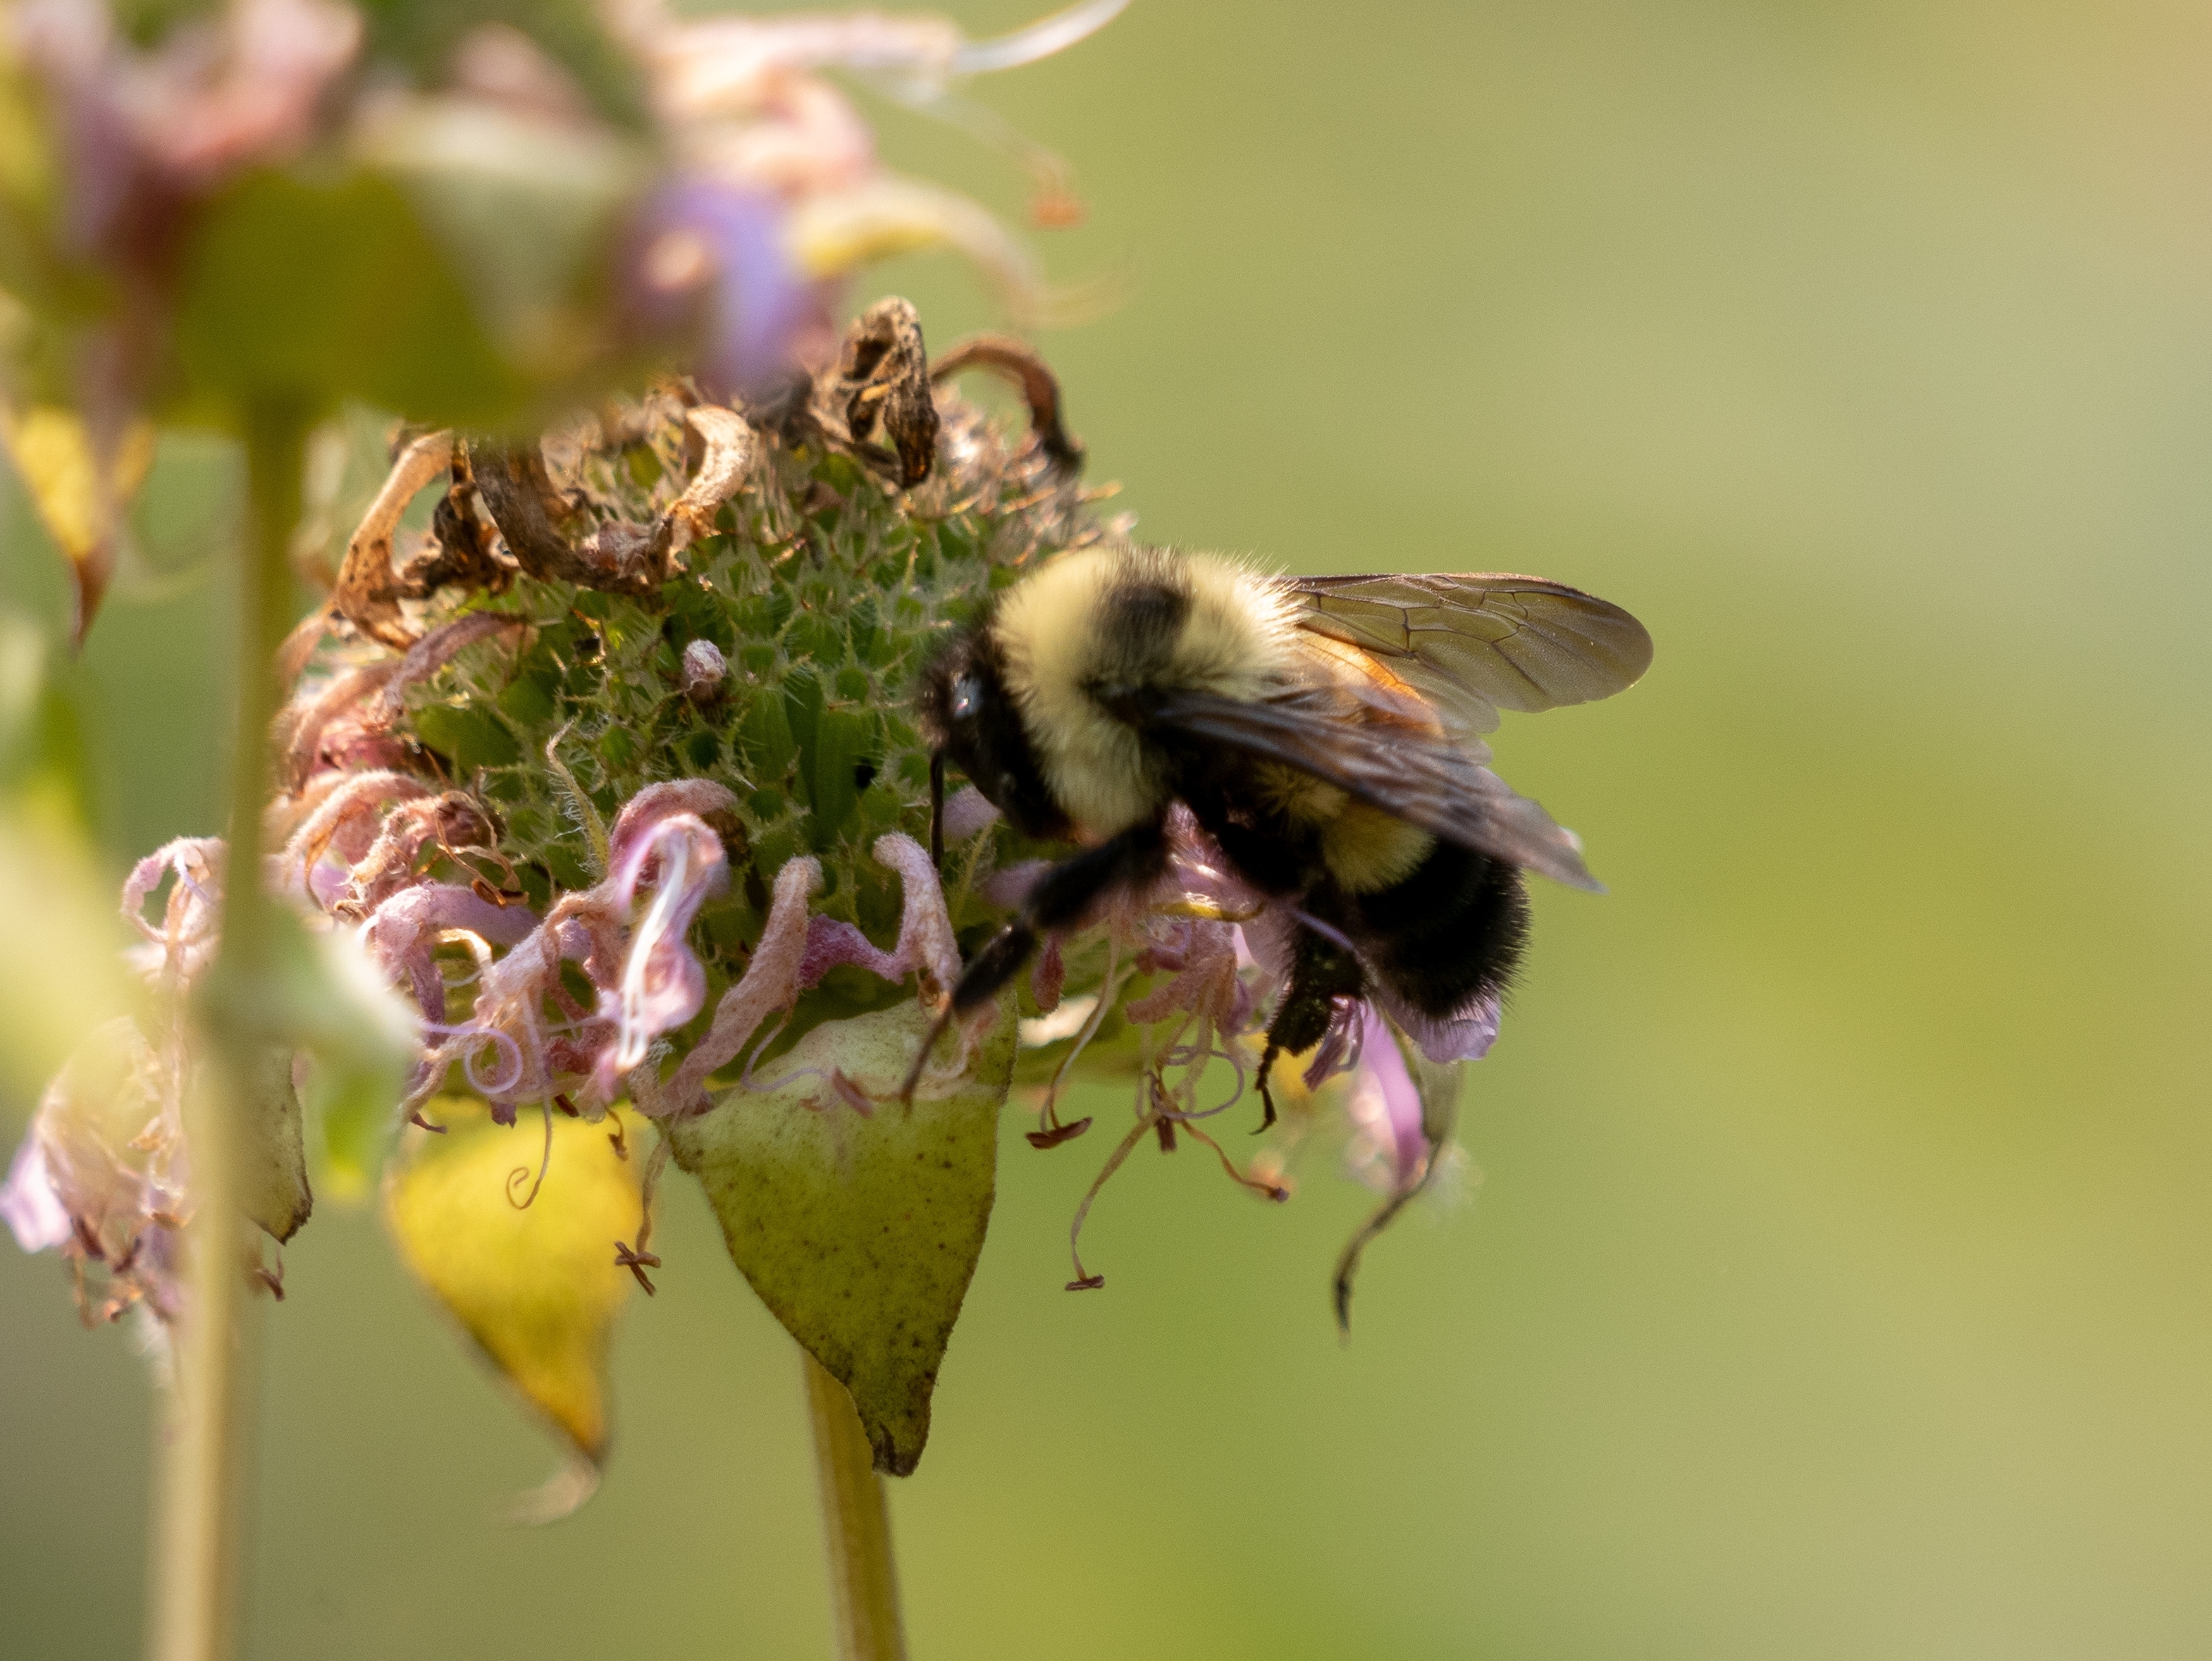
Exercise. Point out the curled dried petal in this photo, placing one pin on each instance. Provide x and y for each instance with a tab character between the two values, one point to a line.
769	983
345	826
367	592
663	985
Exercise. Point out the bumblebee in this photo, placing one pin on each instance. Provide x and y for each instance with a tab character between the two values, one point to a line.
1324	731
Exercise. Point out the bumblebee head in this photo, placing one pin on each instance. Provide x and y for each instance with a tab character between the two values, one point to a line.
971	721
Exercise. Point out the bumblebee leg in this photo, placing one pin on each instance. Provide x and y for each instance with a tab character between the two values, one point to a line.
999	962
1060	898
1321	971
1266	1097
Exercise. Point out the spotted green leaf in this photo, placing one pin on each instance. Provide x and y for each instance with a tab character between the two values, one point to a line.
860	1232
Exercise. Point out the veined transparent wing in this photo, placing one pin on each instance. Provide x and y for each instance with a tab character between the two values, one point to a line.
1427	779
1476	643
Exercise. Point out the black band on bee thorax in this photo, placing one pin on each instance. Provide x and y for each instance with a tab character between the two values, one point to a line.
963	700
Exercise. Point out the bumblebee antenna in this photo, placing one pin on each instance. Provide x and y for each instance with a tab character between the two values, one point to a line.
936	810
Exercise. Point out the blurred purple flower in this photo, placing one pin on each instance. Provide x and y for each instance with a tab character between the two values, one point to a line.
703	240
33	1211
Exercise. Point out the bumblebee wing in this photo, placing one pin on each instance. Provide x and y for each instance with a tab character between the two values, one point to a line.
1424	778
1474	644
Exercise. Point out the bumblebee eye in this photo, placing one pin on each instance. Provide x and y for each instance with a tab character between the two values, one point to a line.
967	697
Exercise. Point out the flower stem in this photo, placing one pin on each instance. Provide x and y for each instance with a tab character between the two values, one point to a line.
863	1580
205	1458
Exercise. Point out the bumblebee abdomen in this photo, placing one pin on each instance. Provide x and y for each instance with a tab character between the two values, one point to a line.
1450	931
1369	851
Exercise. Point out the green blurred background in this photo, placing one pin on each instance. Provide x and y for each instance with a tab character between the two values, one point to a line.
1836	1283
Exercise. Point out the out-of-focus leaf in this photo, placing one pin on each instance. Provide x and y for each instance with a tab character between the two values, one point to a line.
190	514
309	292
859	1232
43	771
421	34
352	1130
519	203
60	974
321	994
273	1161
79	501
536	1288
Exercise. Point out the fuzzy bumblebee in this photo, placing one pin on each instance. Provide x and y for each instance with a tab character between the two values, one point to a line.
1322	731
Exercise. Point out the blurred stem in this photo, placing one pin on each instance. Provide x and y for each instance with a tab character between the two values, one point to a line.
863	1581
206	1455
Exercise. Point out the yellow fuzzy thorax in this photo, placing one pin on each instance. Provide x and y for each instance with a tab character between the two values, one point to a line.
1238	637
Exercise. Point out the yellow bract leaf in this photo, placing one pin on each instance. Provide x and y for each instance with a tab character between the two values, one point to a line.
60	976
537	1288
53	453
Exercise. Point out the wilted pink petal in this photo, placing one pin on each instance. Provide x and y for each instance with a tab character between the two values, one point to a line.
317	727
342	722
511	994
184	942
701	797
925	940
1200	958
1464	1035
1341	1042
109	1136
663	984
344	825
431	654
401	932
1007	889
33	1213
770	982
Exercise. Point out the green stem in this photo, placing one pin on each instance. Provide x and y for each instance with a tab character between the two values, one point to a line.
863	1580
205	1458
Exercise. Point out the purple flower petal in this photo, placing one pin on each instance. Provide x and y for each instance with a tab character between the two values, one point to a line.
967	812
770	982
1465	1035
1386	1102
28	1204
662	983
761	308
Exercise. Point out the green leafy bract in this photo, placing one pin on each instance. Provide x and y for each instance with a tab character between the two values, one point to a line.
860	1232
